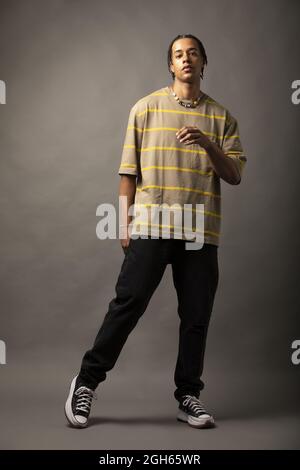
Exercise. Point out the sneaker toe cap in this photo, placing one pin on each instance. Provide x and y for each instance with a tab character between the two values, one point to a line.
81	419
205	416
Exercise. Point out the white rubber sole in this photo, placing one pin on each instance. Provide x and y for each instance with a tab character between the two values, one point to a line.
205	422
68	408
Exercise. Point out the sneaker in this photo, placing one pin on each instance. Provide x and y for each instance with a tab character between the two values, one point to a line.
192	411
78	404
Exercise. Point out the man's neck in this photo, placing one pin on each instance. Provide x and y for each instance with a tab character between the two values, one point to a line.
186	91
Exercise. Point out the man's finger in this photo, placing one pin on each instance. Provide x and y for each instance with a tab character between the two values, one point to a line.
181	130
190	142
187	130
185	137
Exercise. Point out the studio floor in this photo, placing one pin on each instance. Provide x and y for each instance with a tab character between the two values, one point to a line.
127	416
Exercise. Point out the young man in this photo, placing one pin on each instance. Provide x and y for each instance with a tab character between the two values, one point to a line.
179	143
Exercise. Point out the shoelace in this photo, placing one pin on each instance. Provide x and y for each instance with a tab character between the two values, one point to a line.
85	397
195	403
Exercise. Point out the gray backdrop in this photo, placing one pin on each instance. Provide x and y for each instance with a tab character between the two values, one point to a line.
73	69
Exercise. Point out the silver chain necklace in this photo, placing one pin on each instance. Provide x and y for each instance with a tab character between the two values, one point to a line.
192	104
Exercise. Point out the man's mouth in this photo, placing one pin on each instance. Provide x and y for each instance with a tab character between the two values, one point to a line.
187	69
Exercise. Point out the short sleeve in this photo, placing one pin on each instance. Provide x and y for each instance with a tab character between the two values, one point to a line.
231	143
130	159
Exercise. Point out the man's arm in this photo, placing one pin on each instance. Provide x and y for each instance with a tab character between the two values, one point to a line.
129	168
127	188
224	166
227	161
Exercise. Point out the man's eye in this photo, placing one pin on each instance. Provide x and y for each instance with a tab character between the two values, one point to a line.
178	56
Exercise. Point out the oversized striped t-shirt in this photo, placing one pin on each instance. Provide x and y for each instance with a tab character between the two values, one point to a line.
172	174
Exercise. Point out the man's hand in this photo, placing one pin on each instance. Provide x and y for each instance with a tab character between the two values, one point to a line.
192	135
125	241
128	189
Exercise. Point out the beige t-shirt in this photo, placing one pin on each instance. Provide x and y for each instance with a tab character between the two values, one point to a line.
171	174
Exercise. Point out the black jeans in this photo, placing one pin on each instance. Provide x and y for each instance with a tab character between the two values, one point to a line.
195	276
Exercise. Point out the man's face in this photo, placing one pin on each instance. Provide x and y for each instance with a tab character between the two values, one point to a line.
185	52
